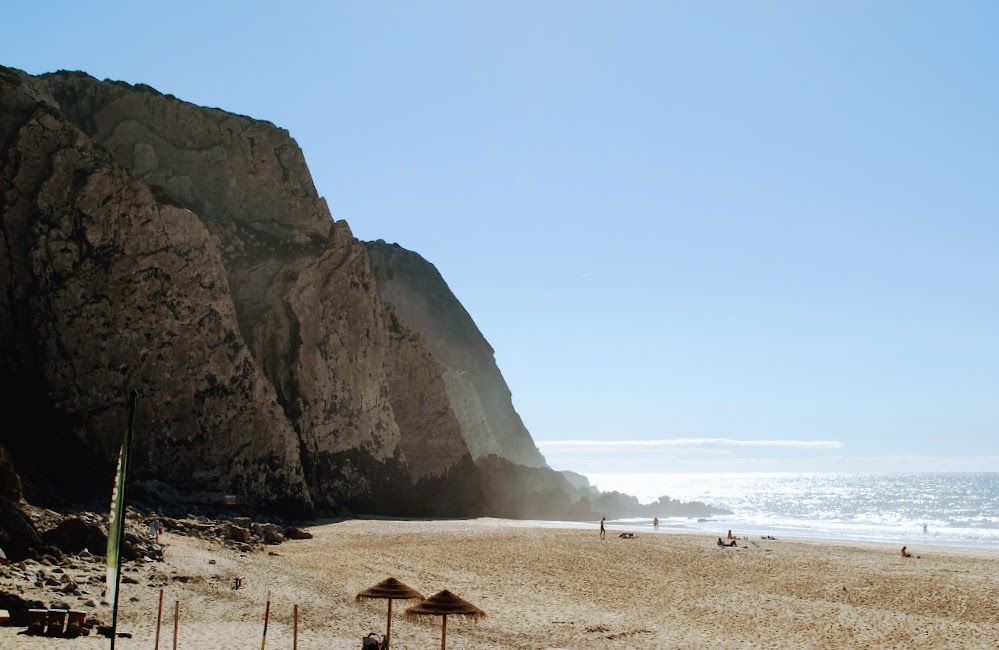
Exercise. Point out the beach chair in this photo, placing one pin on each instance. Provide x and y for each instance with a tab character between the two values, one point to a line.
56	622
74	622
36	620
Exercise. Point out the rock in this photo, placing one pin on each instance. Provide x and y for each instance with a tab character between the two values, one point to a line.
476	390
240	534
149	242
18	536
297	533
75	534
273	537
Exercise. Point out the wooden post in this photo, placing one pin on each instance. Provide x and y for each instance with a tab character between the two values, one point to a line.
294	642
444	633
176	620
388	627
267	616
159	618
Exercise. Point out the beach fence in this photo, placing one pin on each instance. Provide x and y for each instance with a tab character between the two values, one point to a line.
263	641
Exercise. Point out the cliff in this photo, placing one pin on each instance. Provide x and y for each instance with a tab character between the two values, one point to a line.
476	388
149	243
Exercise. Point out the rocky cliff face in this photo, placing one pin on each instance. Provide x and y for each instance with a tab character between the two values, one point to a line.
476	388
183	251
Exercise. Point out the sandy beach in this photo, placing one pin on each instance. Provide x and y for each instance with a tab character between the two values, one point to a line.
547	587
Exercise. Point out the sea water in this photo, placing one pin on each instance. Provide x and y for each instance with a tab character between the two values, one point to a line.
953	509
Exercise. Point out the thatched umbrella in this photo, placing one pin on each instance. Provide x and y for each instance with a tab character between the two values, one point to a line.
390	589
444	604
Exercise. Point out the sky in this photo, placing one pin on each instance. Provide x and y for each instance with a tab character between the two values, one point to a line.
700	236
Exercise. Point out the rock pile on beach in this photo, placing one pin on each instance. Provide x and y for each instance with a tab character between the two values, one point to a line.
243	533
69	570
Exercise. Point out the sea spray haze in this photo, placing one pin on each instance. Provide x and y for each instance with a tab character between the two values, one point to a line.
960	508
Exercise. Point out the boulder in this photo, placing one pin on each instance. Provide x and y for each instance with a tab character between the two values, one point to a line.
74	534
297	533
240	534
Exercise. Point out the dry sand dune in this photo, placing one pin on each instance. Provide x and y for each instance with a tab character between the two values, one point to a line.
560	587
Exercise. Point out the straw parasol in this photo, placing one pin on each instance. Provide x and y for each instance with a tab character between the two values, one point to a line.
390	589
444	604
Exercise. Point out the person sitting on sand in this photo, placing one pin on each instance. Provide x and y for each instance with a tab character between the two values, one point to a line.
906	553
627	535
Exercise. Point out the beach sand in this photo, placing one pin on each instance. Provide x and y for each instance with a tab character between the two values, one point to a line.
547	587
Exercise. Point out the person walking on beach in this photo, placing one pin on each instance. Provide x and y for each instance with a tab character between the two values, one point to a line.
655	523
603	531
154	530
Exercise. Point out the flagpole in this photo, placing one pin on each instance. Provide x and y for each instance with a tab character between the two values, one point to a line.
125	454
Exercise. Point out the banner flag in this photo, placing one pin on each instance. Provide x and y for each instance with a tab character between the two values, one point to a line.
116	524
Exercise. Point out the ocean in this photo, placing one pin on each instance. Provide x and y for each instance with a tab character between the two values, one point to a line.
952	509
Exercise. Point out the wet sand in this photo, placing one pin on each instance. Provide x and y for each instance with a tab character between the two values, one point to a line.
558	587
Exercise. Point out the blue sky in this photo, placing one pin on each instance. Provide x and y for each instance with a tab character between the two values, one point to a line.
700	236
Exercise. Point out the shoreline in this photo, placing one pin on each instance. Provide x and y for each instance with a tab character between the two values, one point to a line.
628	525
915	539
545	586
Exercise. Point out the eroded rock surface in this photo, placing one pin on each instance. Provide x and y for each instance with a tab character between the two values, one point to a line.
183	251
477	391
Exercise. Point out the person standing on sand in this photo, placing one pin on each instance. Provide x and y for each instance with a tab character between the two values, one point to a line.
603	531
655	523
155	530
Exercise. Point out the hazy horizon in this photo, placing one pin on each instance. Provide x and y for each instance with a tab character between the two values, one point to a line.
725	237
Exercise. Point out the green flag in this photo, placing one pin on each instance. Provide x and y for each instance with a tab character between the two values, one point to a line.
116	525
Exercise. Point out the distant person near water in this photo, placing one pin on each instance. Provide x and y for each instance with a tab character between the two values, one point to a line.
655	523
603	531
